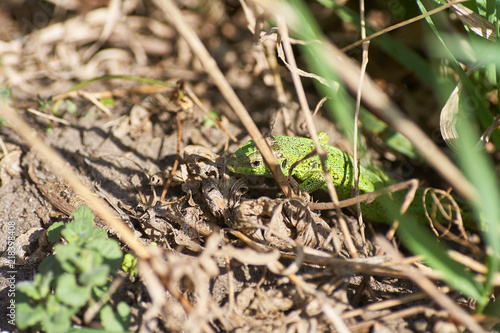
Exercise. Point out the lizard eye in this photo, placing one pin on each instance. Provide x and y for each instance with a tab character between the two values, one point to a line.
255	164
283	164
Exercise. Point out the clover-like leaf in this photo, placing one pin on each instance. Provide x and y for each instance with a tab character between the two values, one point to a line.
109	249
79	231
50	264
28	315
115	321
98	276
66	255
54	232
58	315
69	292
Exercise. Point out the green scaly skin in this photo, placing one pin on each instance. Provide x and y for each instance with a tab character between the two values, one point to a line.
247	160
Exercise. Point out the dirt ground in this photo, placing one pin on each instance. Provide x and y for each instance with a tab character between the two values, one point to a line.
126	154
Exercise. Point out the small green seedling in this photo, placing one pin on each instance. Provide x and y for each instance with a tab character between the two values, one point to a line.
73	279
129	264
209	121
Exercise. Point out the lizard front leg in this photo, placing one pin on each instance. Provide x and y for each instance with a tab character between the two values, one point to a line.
312	181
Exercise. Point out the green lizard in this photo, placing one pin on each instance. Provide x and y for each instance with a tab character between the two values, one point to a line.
288	150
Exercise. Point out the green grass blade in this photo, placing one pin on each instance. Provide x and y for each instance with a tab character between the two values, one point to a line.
395	50
476	103
419	240
122	77
480	171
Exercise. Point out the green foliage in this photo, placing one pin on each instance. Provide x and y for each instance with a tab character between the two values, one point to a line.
121	77
474	109
70	106
69	280
130	264
209	120
421	241
43	104
109	102
474	103
477	110
116	322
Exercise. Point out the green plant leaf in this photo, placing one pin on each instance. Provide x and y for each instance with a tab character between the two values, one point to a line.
115	321
98	233
87	260
108	102
209	121
67	255
123	310
37	289
79	231
476	104
27	315
42	103
55	108
50	264
122	77
58	318
393	48
98	276
109	249
392	138
70	106
83	212
54	232
29	289
43	283
476	164
480	170
493	309
129	264
420	241
70	293
99	291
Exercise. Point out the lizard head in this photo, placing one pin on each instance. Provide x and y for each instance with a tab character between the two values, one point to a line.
248	160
